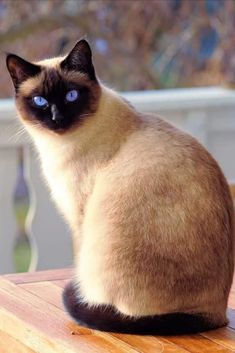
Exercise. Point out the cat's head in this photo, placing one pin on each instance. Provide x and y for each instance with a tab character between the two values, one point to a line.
56	94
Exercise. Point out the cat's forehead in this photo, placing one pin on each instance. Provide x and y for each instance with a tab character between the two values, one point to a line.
51	62
50	77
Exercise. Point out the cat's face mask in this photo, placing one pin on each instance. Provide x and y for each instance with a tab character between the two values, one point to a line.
56	94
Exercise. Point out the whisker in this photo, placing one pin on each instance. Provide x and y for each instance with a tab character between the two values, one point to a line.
16	132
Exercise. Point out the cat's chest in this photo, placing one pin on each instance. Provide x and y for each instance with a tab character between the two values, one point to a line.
70	186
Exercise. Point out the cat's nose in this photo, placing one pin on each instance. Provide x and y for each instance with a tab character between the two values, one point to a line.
56	115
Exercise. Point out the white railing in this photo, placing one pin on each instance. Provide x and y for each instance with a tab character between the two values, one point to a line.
206	113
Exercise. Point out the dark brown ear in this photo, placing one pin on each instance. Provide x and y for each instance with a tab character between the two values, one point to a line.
80	59
20	69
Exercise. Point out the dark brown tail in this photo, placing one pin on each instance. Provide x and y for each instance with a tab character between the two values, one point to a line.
106	318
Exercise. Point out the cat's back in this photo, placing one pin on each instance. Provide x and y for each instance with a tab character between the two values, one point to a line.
164	174
167	170
162	149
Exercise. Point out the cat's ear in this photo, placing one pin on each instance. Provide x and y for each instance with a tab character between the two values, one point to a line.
20	69
80	59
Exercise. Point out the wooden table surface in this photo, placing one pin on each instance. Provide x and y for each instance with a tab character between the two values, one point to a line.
32	319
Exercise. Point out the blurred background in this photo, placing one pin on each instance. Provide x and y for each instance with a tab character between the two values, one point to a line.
137	44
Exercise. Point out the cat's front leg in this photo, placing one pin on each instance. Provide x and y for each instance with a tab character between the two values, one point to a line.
76	240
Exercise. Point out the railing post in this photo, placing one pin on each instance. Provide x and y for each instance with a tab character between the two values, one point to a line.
8	229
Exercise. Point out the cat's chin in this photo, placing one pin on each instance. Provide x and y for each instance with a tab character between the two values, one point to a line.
58	129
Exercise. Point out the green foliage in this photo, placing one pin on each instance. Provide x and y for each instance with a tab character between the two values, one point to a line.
22	255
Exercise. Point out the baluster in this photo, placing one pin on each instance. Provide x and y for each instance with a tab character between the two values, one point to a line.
8	228
50	238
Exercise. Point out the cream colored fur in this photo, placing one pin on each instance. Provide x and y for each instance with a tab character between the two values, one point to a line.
149	208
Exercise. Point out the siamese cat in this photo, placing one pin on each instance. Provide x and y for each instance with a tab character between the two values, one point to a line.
149	208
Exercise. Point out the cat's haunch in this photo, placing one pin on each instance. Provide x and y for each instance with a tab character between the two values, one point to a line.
149	208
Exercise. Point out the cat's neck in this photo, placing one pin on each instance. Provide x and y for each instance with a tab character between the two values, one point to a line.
100	136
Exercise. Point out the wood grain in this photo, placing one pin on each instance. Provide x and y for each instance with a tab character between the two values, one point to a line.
199	344
61	283
45	290
224	336
33	319
11	345
48	327
150	344
51	293
49	275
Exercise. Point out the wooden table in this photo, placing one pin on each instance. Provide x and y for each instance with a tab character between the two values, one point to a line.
32	319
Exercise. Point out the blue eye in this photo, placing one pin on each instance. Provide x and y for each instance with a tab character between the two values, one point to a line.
71	96
40	101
